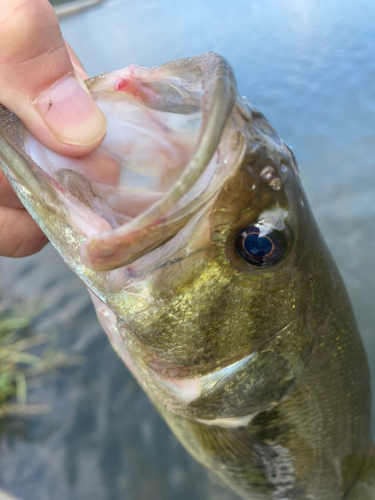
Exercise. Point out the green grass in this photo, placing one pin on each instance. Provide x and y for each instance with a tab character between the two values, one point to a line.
23	365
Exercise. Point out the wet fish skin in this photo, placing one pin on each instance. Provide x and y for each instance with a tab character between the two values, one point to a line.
260	372
315	440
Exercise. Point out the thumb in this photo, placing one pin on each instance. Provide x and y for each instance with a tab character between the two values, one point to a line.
39	84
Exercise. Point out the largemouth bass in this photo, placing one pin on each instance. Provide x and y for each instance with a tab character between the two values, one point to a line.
192	232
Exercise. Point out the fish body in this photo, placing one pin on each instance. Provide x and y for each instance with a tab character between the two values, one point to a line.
191	229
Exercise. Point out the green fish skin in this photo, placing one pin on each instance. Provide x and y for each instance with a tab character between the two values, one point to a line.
220	294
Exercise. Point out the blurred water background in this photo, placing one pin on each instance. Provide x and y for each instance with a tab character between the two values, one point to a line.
309	65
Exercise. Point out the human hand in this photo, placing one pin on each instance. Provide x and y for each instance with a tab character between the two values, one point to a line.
41	82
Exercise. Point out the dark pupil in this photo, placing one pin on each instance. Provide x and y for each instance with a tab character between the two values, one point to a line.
261	250
257	246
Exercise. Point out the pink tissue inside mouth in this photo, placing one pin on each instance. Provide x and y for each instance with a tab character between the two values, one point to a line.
136	89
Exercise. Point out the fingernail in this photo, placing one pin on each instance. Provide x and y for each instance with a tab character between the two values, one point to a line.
71	114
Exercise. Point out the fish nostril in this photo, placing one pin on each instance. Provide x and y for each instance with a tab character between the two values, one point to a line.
269	175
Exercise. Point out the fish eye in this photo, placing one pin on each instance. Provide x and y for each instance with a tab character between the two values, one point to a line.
260	248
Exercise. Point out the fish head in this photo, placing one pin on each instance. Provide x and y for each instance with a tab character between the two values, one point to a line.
190	228
223	309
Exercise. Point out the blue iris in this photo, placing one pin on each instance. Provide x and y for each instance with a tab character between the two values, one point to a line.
262	250
257	246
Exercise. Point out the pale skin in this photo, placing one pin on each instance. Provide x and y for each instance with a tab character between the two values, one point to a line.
41	80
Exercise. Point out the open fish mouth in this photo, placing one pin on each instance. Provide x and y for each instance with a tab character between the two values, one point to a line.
171	143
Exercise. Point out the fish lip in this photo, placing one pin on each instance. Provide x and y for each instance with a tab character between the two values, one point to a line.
121	246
